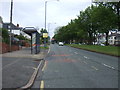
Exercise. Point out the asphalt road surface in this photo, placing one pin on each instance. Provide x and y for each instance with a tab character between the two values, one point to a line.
67	67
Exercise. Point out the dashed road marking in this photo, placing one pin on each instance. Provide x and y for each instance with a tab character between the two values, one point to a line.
42	85
108	66
85	62
94	67
75	52
86	57
49	50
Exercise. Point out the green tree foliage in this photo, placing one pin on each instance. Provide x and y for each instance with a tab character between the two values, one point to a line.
105	18
84	29
5	35
21	37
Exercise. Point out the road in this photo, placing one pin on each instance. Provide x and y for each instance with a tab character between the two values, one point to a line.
67	67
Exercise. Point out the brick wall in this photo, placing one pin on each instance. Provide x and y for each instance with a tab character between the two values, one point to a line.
4	48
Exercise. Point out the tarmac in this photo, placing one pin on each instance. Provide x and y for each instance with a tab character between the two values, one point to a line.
22	67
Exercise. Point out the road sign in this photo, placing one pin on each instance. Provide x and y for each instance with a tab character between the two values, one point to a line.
45	35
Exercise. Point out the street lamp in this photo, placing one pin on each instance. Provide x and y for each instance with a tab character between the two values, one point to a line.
45	18
46	10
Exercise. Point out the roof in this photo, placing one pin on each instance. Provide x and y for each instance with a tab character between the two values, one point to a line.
14	27
114	34
29	30
15	39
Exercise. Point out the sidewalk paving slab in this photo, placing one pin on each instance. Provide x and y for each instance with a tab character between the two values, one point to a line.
18	67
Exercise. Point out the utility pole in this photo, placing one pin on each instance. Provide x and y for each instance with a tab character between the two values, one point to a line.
45	39
45	13
11	25
45	22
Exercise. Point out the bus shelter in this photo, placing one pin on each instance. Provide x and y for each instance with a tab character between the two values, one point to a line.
35	39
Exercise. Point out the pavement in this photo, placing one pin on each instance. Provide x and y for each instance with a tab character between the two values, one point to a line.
19	68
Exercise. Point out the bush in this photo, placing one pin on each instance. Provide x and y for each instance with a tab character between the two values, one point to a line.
5	35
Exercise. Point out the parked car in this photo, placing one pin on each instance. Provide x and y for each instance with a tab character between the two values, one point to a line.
60	44
102	44
52	42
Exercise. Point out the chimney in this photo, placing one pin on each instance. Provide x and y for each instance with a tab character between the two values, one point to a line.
17	25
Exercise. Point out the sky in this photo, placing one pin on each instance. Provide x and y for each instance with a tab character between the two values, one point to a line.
31	13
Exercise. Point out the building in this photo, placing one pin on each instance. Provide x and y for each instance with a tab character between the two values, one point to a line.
15	29
1	22
101	38
114	38
1	26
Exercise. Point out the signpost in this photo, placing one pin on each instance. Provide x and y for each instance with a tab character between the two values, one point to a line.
45	36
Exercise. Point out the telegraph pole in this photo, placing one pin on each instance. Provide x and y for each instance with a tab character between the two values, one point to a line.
11	10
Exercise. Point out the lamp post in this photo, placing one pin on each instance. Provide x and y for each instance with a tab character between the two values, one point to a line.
46	11
46	18
11	10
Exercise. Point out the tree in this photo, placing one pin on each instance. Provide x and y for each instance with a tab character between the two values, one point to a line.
5	35
21	37
105	19
94	20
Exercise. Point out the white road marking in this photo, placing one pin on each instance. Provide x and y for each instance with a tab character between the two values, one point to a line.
86	57
85	62
94	67
49	50
108	66
75	52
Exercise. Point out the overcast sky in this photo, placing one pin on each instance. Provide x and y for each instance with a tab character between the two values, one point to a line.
31	13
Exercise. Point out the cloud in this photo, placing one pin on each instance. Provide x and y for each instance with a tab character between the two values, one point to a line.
32	12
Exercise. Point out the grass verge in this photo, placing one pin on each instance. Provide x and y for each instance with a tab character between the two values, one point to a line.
110	50
42	47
